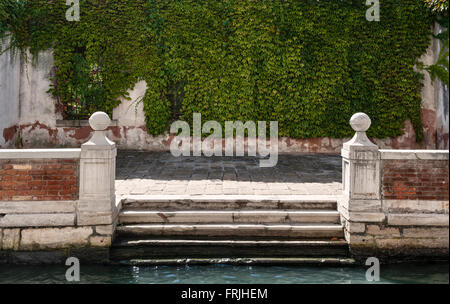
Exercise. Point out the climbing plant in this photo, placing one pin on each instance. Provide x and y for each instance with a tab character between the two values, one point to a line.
307	64
440	69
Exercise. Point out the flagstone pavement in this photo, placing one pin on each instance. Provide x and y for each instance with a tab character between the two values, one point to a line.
160	173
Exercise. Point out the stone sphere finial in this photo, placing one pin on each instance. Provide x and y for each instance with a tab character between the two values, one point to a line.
360	122
99	121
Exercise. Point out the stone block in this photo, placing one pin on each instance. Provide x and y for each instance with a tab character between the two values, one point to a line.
29	207
364	205
93	219
365	180
360	239
382	231
363	217
409	243
96	205
426	232
22	198
418	219
355	227
104	229
343	211
100	241
22	167
41	153
10	239
415	206
37	220
415	154
54	238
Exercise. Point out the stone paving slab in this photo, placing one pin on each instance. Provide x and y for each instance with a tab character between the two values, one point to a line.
160	173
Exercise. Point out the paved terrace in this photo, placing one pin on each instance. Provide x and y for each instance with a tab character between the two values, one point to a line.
159	173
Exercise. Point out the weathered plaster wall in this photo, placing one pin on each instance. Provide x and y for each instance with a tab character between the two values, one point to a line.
30	113
442	119
442	106
37	108
131	132
428	99
9	98
435	101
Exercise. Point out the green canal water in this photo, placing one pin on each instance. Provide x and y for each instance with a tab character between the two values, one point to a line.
436	273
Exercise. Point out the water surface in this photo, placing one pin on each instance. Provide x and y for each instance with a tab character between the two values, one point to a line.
435	273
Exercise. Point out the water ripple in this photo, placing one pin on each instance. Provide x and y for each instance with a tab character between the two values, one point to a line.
221	274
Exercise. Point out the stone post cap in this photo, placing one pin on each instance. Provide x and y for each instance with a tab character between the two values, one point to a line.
99	121
360	122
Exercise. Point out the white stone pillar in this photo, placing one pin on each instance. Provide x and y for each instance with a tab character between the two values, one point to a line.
361	200
97	201
361	161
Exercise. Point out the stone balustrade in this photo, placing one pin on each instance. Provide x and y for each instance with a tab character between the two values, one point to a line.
56	203
58	200
395	202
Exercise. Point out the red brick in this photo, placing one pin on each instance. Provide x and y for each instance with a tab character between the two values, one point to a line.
69	161
53	166
67	172
24	178
415	179
10	172
52	172
66	192
58	181
36	172
68	182
54	182
52	177
52	187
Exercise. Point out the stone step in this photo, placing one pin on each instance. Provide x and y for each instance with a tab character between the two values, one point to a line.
127	249
306	230
229	202
242	216
305	261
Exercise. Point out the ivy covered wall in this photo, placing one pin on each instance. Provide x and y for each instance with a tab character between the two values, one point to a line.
307	64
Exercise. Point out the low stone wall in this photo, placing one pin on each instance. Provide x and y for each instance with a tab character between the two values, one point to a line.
52	235
56	203
395	202
39	179
414	175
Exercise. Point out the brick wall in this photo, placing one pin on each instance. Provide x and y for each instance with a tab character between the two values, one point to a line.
39	180
415	179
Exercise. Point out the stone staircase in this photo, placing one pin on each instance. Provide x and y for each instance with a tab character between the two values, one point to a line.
229	229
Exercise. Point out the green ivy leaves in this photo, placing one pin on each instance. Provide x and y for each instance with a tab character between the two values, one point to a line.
307	64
